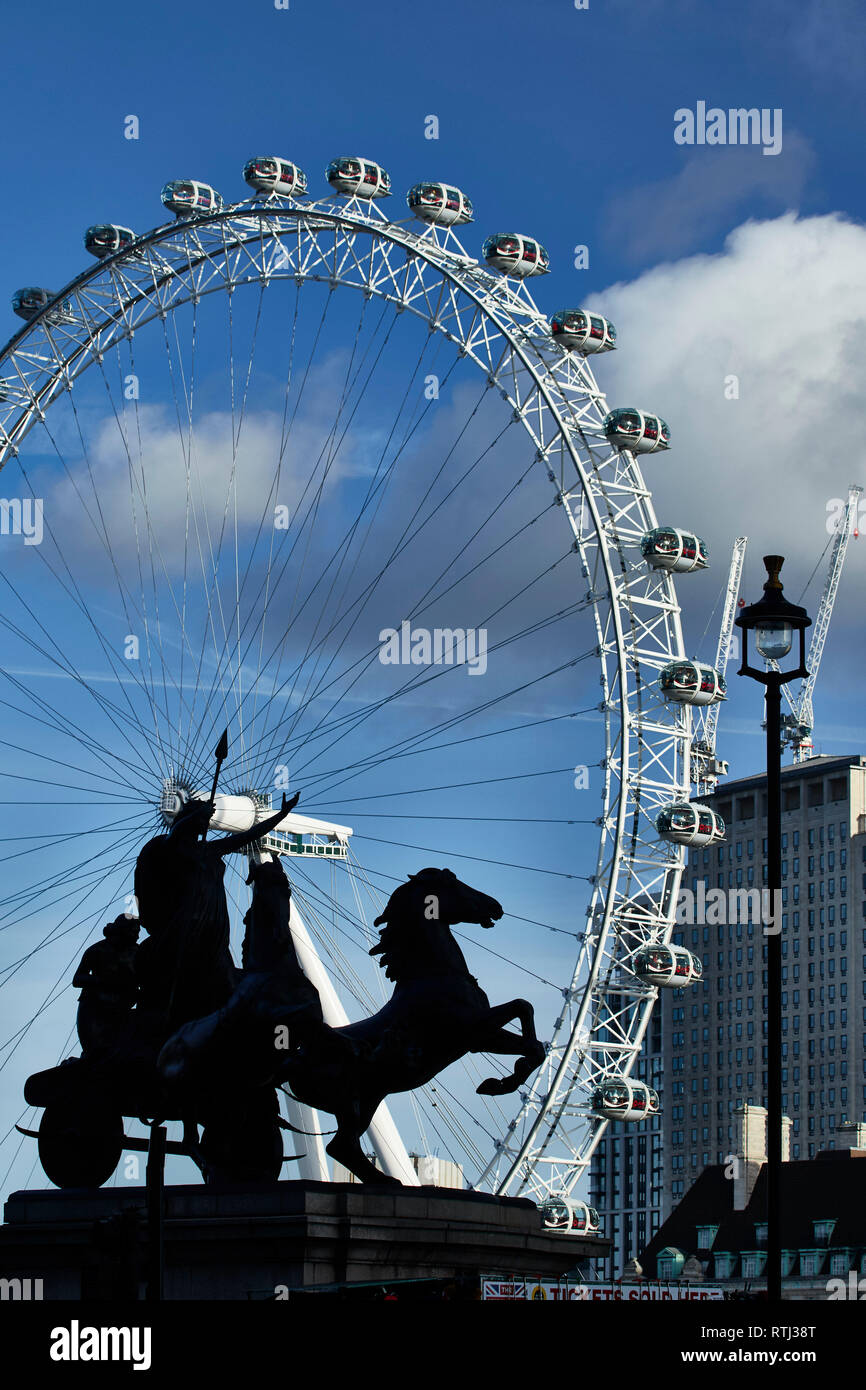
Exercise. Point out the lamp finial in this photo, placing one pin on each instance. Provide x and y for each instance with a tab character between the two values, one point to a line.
773	564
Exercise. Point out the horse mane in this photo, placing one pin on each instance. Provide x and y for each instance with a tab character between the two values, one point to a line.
411	944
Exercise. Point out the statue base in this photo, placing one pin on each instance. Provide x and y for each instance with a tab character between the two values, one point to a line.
228	1243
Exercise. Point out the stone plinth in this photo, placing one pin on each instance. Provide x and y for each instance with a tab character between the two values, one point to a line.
234	1244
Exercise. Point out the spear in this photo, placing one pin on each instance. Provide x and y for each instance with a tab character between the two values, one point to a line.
221	753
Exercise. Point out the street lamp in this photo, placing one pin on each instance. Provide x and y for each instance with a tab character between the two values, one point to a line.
774	622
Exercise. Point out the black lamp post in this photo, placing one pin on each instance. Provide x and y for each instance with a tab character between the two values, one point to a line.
774	621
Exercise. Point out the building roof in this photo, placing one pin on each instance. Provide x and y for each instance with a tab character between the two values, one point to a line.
792	772
831	1185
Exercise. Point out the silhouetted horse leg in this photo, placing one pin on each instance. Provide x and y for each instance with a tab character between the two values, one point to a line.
496	1038
345	1147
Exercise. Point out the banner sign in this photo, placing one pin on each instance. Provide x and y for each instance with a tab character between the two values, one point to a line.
497	1290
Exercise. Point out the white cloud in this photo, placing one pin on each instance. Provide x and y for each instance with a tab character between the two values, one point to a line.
782	308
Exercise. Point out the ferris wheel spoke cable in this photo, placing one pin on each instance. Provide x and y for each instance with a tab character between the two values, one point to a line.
31	894
309	694
137	475
372	656
20	746
377	485
269	502
487	735
154	639
55	721
333	451
52	996
475	738
236	434
211	579
347	723
121	675
61	839
422	680
477	858
413	683
286	560
327	448
374	488
68	670
266	582
55	933
102	532
53	654
361	600
207	569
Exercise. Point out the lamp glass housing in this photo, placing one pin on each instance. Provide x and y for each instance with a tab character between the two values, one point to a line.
774	640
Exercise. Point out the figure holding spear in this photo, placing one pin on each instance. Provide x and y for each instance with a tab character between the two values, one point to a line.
185	966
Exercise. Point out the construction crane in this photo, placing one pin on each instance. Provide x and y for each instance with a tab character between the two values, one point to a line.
798	725
707	768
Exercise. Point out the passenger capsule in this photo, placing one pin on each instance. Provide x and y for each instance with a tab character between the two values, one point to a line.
628	428
270	174
668	548
439	203
570	1216
188	198
577	329
106	238
27	303
516	255
692	683
688	823
358	178
667	966
625	1100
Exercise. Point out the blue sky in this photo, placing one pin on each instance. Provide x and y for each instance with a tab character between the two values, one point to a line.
559	123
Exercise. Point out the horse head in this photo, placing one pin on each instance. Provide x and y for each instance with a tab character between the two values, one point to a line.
438	895
415	940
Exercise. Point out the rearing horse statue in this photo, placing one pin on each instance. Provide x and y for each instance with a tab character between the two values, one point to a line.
437	1013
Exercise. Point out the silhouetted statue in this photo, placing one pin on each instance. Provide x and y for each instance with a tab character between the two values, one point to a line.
185	967
109	989
437	1013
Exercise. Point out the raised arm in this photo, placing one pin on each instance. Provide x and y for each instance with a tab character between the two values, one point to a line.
230	844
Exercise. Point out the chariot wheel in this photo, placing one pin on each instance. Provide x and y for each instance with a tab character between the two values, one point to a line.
80	1142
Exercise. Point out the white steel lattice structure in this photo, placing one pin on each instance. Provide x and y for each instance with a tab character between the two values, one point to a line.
707	767
797	726
494	322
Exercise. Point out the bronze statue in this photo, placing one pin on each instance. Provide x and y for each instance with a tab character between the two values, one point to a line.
185	967
172	1028
109	988
437	1013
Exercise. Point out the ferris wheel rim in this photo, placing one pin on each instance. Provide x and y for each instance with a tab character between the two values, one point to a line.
505	307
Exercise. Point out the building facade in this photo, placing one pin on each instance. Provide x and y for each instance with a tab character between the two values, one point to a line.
714	1033
706	1049
718	1231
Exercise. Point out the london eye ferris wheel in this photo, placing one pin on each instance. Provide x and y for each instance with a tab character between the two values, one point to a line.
338	483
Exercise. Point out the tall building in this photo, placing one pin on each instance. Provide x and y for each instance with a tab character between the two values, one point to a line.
714	1033
706	1051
